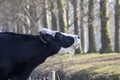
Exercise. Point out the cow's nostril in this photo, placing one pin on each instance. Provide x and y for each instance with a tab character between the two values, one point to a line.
78	36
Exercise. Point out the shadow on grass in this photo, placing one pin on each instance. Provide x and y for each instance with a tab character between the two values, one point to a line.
89	75
82	75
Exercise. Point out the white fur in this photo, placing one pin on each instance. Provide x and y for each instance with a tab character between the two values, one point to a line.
72	47
48	31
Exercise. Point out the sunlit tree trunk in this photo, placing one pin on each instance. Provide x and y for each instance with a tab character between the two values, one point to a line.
82	27
62	15
76	26
117	26
91	31
105	27
54	16
67	13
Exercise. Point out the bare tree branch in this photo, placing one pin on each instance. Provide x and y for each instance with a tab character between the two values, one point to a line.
29	16
22	17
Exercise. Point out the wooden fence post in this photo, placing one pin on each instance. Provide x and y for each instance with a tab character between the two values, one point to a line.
51	75
29	78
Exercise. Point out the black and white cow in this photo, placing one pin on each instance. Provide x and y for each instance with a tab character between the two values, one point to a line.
21	53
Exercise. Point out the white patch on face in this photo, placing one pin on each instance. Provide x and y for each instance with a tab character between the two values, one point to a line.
74	46
48	31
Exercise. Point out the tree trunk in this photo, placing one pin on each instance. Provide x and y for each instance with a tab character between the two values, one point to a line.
117	26
91	31
67	13
105	28
76	27
44	15
54	16
82	27
62	16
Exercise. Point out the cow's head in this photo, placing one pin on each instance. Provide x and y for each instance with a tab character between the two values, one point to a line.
66	42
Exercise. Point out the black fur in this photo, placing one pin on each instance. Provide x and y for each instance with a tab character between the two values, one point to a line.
21	53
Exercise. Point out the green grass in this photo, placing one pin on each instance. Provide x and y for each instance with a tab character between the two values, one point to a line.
85	67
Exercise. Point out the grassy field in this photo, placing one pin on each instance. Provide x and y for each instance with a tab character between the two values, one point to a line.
84	67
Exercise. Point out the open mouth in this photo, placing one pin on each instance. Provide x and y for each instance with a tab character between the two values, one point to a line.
76	46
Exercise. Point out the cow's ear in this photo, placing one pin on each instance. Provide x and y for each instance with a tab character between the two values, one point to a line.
45	38
58	36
